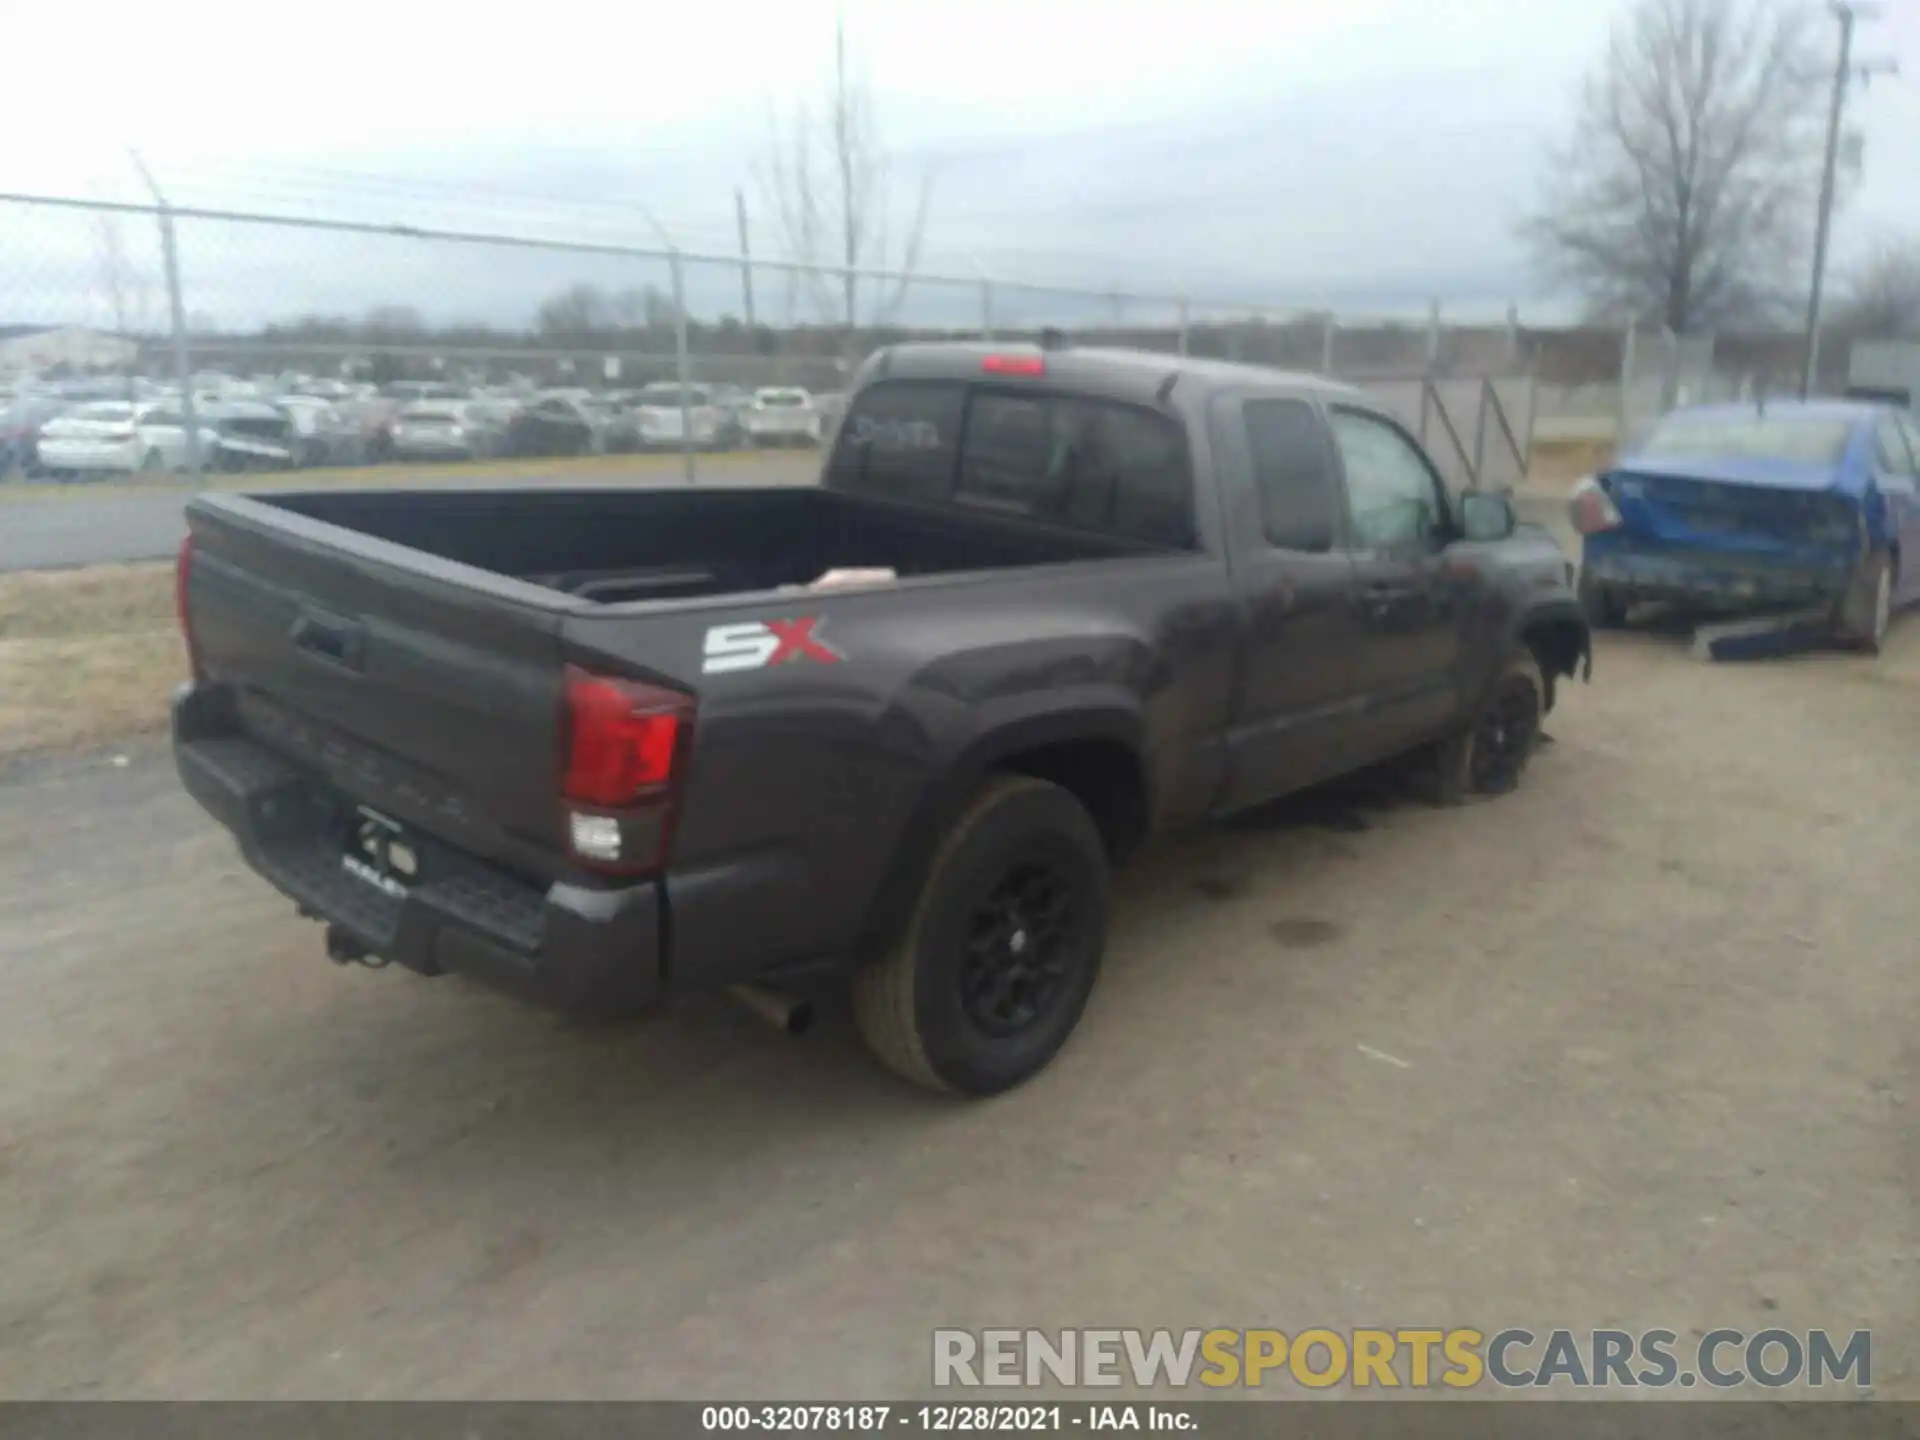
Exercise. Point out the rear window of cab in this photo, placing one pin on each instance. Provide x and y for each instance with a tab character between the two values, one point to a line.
1080	461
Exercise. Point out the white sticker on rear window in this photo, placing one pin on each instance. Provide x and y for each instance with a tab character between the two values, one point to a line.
896	434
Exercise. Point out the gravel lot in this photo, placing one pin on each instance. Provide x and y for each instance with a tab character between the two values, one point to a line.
1655	1015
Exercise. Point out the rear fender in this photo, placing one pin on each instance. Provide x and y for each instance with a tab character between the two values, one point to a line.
1026	725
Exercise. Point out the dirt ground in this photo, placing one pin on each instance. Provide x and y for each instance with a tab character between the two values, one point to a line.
1632	1047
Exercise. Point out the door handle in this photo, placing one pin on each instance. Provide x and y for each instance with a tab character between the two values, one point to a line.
1383	601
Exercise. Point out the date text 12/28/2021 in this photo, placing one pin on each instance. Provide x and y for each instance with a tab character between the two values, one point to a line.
944	1419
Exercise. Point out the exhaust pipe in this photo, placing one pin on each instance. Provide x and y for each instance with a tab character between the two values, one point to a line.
783	1012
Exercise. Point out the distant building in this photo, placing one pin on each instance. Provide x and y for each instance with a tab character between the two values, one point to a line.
34	350
1885	370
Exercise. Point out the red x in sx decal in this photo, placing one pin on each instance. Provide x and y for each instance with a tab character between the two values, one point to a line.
797	642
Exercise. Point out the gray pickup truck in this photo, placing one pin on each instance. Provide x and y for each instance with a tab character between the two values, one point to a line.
604	747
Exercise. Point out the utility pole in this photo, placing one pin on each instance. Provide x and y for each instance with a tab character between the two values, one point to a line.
1847	12
746	255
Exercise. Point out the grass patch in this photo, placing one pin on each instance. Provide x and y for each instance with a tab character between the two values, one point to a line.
86	656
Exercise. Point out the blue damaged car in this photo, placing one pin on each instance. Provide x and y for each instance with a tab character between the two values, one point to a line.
1756	507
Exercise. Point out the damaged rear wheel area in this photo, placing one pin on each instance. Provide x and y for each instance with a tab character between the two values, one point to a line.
1861	619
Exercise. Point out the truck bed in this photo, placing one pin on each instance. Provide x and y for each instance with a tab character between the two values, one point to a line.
615	546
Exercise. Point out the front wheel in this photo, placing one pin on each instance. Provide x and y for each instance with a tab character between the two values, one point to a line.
1002	949
1861	621
1490	755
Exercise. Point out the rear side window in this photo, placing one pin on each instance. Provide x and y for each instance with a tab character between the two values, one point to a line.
899	439
1293	472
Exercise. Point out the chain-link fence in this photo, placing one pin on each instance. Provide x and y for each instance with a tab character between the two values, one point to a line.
217	308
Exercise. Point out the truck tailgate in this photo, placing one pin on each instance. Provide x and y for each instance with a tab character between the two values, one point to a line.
426	688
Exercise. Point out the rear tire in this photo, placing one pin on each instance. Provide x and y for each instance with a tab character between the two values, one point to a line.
1861	620
1490	755
1002	949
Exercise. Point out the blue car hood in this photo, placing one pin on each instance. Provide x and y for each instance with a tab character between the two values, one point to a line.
1765	474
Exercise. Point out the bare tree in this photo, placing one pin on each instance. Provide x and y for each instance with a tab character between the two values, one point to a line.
1882	300
642	307
127	290
113	268
829	181
576	313
1687	194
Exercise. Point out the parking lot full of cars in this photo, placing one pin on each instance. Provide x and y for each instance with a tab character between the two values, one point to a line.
125	426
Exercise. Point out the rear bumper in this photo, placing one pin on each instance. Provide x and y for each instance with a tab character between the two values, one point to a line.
419	449
1714	579
90	454
762	429
570	946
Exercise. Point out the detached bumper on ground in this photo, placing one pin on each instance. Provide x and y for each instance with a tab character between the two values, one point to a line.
564	945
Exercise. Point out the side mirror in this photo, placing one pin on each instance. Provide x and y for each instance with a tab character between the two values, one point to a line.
1485	515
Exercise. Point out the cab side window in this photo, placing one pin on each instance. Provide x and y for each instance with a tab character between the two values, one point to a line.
1293	472
1393	495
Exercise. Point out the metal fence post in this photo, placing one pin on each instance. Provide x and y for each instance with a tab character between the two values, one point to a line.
1182	312
1328	331
1533	412
986	309
1480	430
1628	343
1432	365
683	367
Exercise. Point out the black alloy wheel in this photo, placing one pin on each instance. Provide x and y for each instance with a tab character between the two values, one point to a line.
1020	946
1505	736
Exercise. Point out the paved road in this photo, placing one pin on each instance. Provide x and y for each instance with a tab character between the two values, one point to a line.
56	532
1632	1047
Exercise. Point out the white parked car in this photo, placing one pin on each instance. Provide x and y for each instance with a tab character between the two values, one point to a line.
659	413
447	430
322	434
783	415
112	435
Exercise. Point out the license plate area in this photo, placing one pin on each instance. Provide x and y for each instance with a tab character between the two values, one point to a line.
380	852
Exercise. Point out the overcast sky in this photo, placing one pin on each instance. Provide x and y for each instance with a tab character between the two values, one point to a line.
1367	154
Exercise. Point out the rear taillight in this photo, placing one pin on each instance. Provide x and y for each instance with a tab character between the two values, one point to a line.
625	744
182	582
1591	509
